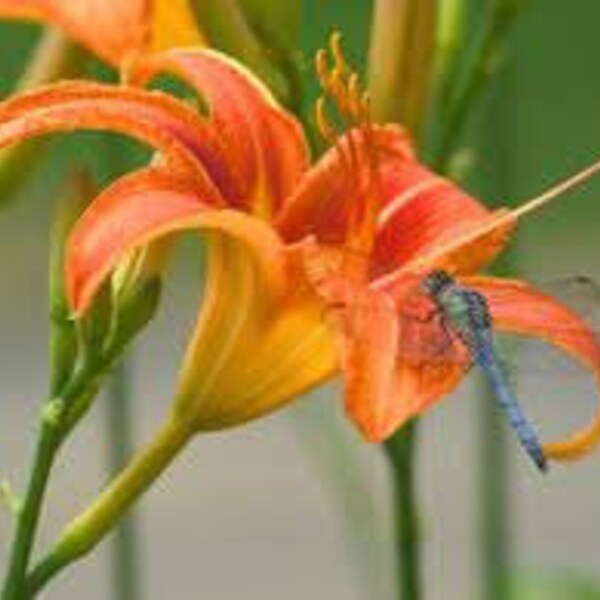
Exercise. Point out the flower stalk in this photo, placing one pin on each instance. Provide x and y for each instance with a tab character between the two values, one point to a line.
119	429
30	512
401	53
86	530
401	452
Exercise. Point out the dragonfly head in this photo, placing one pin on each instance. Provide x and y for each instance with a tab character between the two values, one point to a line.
436	282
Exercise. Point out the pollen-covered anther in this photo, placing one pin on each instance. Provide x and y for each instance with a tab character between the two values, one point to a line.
341	85
326	129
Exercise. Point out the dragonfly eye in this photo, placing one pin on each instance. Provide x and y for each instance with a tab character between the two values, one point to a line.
436	282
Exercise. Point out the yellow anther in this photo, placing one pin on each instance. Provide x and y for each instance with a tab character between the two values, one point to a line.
355	97
337	90
335	43
342	87
324	126
322	68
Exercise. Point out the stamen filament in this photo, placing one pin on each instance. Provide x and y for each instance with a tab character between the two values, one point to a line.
558	189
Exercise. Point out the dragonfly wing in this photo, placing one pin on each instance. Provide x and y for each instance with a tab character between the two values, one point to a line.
533	357
580	293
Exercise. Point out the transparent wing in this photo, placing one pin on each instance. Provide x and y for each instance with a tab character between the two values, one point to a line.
554	387
579	292
533	358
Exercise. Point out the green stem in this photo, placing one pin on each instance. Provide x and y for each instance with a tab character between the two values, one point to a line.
90	527
29	513
494	492
495	548
400	449
400	69
124	555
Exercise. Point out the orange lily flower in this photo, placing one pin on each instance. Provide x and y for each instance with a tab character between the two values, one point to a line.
290	242
118	32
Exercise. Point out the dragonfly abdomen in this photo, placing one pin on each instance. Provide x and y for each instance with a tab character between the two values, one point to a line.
487	361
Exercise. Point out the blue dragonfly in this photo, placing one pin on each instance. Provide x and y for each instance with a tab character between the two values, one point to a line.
457	327
464	312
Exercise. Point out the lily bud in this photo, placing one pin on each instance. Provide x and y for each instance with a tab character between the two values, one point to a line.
63	334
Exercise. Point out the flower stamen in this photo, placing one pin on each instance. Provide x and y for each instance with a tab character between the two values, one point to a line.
353	138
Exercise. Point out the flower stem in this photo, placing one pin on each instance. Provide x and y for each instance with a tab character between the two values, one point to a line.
400	73
494	475
400	449
124	555
29	513
90	527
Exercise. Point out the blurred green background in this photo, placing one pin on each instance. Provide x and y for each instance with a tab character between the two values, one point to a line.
255	512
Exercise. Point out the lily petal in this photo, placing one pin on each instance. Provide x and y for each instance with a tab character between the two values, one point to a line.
521	309
117	32
151	117
471	247
112	30
390	376
422	211
265	146
147	205
251	351
174	25
325	197
369	349
258	341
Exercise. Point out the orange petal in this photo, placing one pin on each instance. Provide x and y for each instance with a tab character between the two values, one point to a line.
422	211
461	248
265	146
113	30
391	370
324	199
174	25
142	207
151	117
390	375
518	308
369	344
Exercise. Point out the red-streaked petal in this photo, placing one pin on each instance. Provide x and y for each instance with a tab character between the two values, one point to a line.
423	210
142	207
369	344
471	247
113	30
164	111
265	146
152	117
518	308
417	388
387	379
324	199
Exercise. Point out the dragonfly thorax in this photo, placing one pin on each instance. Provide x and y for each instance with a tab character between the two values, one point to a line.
462	307
465	309
436	282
